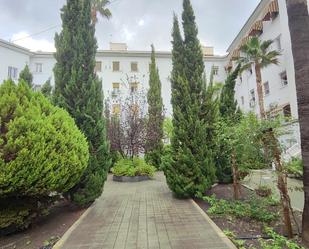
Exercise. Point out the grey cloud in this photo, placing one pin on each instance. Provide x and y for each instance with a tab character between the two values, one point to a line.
218	21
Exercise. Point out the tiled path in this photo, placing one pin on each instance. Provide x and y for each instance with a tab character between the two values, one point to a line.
143	215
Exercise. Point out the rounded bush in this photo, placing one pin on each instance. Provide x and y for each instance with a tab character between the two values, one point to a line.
42	152
133	167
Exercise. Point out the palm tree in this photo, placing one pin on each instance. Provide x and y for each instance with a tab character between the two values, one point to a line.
99	6
298	24
256	54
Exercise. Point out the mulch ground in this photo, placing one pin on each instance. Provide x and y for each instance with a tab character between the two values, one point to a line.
53	226
244	228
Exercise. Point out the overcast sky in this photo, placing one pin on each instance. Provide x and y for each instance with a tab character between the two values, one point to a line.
136	22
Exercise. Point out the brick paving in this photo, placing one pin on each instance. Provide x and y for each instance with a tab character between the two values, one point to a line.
143	215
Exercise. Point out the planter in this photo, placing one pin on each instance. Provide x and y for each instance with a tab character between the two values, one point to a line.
264	192
130	178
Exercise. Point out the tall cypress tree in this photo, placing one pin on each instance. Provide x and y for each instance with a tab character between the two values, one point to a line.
192	169
228	104
154	143
229	114
26	75
78	90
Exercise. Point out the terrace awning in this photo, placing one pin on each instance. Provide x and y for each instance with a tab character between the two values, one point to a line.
244	40
257	28
229	66
272	10
235	54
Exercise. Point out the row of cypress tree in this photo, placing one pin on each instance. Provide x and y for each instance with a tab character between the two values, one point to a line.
196	161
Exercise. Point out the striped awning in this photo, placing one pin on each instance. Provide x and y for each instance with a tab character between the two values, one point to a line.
272	10
244	40
257	28
229	66
235	54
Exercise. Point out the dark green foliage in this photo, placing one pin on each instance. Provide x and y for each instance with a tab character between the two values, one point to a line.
133	167
191	169
46	89
41	151
229	114
26	75
154	137
228	104
78	90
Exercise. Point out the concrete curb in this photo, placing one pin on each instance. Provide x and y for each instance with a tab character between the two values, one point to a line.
220	233
67	234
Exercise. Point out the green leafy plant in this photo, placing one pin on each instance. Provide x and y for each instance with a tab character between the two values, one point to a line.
295	167
278	241
254	208
240	244
133	167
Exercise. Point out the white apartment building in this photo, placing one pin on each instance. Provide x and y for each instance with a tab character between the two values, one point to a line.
118	65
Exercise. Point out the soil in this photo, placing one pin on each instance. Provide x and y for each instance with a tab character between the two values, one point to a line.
245	229
51	227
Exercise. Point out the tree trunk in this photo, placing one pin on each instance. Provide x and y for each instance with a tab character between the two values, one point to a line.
259	88
298	24
236	189
282	182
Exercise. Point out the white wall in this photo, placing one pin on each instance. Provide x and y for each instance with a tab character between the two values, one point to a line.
108	77
11	58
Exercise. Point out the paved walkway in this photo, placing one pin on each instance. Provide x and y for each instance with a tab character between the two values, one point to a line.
269	178
143	215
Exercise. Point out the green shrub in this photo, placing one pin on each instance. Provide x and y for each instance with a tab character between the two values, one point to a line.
41	149
134	167
254	208
295	167
277	241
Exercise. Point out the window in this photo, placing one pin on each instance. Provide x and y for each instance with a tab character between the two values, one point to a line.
116	86
135	108
12	73
266	88
134	67
134	86
252	98
38	67
116	109
284	79
277	43
242	100
215	70
116	66
98	66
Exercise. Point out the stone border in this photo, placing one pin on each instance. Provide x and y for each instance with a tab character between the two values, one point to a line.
130	178
67	234
228	242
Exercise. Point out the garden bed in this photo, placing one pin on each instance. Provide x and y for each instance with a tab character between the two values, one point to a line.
49	228
130	178
246	227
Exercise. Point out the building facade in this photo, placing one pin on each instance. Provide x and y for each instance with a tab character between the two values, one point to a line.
119	66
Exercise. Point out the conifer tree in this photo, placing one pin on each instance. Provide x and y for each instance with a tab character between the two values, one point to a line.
228	104
26	75
192	169
229	114
154	137
78	90
46	89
